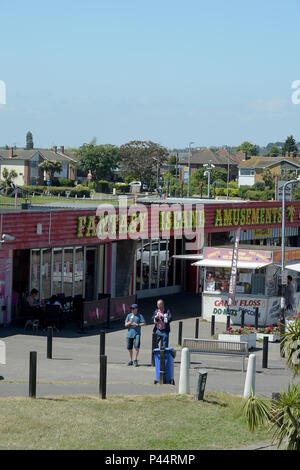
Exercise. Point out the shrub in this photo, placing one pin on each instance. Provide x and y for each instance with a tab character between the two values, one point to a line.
122	187
256	195
104	186
220	184
259	186
79	190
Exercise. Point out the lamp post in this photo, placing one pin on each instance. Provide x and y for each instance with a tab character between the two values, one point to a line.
283	236
228	170
188	191
209	166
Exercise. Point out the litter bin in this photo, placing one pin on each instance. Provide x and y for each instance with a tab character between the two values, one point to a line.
169	365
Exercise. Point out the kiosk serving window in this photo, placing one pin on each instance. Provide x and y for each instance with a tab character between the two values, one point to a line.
248	282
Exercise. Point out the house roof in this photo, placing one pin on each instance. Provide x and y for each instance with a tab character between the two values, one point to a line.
23	154
208	156
236	157
265	162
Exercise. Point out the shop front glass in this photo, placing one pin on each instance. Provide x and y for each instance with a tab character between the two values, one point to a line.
155	267
69	271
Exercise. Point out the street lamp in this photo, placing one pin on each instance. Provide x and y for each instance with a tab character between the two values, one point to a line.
283	235
188	191
209	166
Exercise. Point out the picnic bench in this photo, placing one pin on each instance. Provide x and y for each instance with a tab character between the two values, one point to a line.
216	346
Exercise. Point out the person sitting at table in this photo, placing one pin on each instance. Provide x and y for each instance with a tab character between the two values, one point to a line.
34	306
32	298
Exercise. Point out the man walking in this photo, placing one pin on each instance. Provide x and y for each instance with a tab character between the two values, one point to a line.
162	318
133	323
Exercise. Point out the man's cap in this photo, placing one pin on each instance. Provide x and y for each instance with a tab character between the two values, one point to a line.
134	306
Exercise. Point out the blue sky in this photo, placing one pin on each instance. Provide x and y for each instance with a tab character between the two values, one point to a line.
171	71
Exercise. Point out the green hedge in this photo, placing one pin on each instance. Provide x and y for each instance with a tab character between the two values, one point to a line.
122	187
79	190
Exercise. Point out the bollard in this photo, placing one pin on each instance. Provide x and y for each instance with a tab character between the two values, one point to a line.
228	322
256	318
162	366
197	328
265	353
32	374
49	342
243	319
102	343
154	346
212	326
184	377
180	333
250	377
200	384
103	374
282	331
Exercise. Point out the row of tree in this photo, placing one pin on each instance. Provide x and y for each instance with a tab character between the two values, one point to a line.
289	147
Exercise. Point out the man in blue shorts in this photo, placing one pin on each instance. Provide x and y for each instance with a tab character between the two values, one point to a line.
133	323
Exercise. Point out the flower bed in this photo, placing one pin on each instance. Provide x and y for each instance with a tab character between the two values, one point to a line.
240	335
290	320
271	331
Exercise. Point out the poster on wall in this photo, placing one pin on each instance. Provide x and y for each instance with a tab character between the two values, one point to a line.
120	307
95	312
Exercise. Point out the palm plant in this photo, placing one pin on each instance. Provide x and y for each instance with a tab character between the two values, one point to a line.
50	167
283	415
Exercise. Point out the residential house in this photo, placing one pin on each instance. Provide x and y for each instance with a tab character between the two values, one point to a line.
26	164
251	171
219	159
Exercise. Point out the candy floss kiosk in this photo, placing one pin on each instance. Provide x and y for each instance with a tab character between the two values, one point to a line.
258	283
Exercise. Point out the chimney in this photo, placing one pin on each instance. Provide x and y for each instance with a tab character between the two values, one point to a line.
62	149
11	152
55	148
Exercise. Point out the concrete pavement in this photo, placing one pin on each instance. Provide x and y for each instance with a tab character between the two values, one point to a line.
74	367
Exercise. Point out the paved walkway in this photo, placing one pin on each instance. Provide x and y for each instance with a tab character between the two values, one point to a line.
74	368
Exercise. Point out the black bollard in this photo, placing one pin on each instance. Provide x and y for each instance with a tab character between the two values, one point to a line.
228	322
282	331
103	374
162	367
212	326
32	373
256	318
180	333
49	342
154	346
243	319
197	328
265	352
102	343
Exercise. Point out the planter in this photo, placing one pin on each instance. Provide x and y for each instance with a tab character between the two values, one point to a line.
272	338
289	322
250	339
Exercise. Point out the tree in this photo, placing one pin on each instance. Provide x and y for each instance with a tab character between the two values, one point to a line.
7	185
50	167
141	160
274	151
268	178
100	160
248	148
290	146
283	414
29	141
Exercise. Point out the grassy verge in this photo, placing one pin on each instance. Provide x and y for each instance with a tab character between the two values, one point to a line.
43	200
172	422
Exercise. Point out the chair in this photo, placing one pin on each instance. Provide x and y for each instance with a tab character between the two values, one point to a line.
53	316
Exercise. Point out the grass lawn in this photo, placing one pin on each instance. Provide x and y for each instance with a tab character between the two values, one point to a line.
47	199
169	421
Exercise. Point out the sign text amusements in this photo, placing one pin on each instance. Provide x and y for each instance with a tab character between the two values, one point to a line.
251	216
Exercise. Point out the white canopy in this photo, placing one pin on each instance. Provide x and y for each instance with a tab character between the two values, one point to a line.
218	263
293	266
188	256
